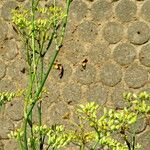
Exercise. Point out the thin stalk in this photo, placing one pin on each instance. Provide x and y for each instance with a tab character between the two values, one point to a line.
40	124
126	140
49	43
82	147
33	33
40	105
21	145
28	111
51	61
25	134
30	86
133	139
29	92
43	82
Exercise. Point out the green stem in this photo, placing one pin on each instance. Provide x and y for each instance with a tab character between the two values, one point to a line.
25	134
28	110
43	82
82	147
33	33
29	95
133	139
40	124
51	61
30	86
40	103
21	144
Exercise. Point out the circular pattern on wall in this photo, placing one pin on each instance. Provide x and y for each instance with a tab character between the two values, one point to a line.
3	30
7	8
145	10
138	33
144	55
85	76
136	76
78	10
110	74
126	10
99	53
124	53
72	93
113	32
87	31
97	93
101	10
2	70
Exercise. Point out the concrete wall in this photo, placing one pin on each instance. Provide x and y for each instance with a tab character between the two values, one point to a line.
113	36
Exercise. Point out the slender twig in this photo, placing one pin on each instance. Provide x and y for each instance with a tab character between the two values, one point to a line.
51	61
125	139
34	94
21	144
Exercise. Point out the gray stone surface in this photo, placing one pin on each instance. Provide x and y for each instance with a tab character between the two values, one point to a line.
15	70
5	127
2	69
111	36
57	113
145	10
72	93
111	74
124	53
136	76
143	140
78	10
7	85
14	110
3	30
11	145
144	55
9	50
85	76
87	31
53	92
113	32
97	93
117	96
6	9
101	10
126	10
138	33
99	53
73	51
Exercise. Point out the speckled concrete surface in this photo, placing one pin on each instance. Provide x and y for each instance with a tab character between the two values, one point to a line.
114	37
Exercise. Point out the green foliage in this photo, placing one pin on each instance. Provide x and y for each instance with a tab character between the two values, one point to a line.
8	96
56	136
45	18
39	28
96	126
112	121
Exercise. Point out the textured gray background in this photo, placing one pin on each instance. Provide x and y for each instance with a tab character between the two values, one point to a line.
113	35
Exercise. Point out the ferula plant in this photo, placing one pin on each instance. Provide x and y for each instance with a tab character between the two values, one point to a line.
114	128
97	126
39	28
